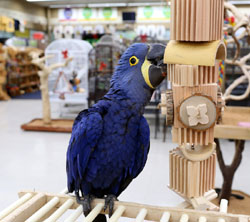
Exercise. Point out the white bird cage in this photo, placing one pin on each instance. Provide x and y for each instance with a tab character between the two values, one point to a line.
71	98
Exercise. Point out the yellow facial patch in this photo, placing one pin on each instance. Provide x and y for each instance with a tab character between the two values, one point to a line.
133	60
145	70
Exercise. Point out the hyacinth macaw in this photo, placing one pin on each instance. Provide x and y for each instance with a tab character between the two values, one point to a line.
110	140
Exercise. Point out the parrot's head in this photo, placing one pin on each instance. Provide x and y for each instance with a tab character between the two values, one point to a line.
139	71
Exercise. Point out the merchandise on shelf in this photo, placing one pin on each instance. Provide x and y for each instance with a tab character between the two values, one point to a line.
22	75
3	94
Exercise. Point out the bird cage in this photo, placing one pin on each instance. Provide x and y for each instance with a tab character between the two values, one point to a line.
103	59
68	86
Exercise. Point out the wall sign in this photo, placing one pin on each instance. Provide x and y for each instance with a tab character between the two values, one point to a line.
68	14
153	13
88	14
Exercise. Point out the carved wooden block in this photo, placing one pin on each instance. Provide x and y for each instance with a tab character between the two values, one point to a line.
191	178
193	75
196	20
188	135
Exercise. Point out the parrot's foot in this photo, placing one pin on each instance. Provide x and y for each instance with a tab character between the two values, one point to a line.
85	202
109	203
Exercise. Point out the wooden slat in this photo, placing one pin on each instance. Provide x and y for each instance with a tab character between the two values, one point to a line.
73	217
43	210
141	216
93	214
15	205
27	209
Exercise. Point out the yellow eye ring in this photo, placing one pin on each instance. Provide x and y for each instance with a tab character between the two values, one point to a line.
133	60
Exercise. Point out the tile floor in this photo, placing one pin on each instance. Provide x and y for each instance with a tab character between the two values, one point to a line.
36	161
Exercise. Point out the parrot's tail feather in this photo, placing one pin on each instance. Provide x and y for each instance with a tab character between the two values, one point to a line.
100	218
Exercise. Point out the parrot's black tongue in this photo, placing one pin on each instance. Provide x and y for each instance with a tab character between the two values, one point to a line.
158	70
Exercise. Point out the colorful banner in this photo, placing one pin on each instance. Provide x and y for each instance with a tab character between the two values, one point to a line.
68	14
88	14
108	14
152	13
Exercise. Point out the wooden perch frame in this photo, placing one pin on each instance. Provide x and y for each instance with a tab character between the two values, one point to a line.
44	73
39	206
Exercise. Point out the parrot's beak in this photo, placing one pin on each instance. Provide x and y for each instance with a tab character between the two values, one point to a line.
153	69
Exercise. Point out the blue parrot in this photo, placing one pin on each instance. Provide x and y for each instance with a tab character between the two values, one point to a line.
109	144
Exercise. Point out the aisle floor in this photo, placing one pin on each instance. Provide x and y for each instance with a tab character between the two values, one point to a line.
36	161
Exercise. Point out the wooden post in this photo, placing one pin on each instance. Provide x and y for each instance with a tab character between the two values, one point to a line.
194	104
44	75
228	171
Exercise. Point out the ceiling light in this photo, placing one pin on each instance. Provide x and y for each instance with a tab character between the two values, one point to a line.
69	6
103	5
146	3
240	2
41	0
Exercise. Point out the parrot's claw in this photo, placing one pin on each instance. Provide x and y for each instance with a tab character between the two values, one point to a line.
109	203
85	202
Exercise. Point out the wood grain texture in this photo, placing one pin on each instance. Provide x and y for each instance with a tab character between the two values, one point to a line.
196	20
186	135
191	178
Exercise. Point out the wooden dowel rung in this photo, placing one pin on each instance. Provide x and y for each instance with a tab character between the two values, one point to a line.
15	205
184	218
60	211
73	217
27	209
45	209
93	214
223	205
141	215
165	217
117	214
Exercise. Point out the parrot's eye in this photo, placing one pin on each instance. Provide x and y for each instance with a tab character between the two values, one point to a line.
133	60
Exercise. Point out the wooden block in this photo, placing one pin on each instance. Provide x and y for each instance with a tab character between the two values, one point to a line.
180	93
179	136
191	178
196	20
193	75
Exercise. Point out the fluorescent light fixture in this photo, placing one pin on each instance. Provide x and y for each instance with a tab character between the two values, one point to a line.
135	4
69	6
41	0
103	5
240	2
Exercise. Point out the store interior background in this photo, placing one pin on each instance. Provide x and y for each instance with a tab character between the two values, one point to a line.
36	160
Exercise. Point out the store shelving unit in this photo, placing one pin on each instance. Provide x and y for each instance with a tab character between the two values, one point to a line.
3	94
22	74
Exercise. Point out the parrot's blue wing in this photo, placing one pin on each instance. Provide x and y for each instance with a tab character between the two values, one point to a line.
143	146
86	132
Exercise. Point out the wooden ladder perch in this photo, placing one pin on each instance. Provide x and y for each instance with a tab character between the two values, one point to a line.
40	206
